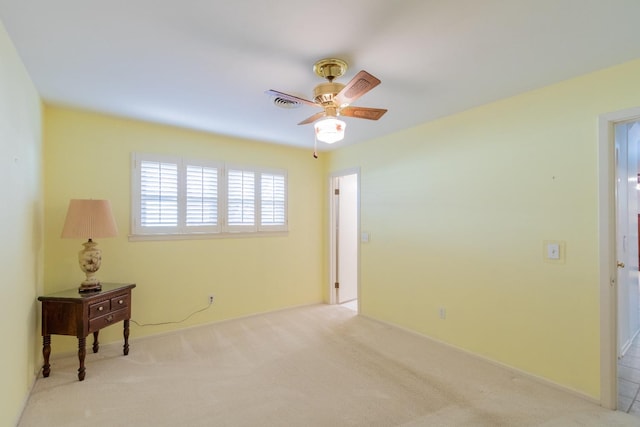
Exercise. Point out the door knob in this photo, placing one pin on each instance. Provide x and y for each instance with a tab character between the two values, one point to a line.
620	264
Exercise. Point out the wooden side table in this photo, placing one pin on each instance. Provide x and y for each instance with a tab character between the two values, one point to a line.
79	314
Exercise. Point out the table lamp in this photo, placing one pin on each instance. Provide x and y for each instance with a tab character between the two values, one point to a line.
89	219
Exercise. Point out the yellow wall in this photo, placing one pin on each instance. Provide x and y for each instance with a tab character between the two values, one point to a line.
21	250
458	209
89	155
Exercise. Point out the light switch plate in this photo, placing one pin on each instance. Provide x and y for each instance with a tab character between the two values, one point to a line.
553	251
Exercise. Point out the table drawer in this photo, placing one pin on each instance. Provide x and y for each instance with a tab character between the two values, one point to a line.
100	308
120	302
103	307
109	319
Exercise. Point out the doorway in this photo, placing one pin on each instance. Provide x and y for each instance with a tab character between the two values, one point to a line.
344	232
626	140
627	137
618	240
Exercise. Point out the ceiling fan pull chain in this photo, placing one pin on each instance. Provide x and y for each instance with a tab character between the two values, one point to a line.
315	146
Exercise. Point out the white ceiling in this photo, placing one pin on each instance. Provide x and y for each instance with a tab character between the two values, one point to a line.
205	64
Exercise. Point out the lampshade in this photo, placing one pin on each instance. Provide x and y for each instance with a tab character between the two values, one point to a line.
89	219
330	129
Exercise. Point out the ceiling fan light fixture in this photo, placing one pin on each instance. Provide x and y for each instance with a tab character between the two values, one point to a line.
329	130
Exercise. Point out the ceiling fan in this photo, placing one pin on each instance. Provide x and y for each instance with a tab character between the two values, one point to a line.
335	98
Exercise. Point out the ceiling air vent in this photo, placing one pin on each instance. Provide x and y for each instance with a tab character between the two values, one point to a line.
285	103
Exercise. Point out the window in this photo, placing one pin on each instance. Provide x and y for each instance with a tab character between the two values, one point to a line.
173	196
158	194
272	200
202	196
241	200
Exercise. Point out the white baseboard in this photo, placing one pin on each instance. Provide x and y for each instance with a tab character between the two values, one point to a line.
518	371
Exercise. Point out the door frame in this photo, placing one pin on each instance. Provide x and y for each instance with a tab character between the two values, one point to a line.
607	253
332	235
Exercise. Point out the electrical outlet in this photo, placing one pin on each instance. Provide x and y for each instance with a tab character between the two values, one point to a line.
210	299
443	313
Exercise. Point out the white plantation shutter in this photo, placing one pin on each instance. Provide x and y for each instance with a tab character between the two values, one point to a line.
202	198
241	200
273	206
174	198
158	194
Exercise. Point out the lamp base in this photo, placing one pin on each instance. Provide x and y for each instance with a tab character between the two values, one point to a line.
95	287
90	259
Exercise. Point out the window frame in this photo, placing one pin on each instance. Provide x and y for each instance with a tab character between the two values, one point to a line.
222	229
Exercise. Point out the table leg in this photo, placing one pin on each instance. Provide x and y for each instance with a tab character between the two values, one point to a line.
46	352
125	332
96	344
82	352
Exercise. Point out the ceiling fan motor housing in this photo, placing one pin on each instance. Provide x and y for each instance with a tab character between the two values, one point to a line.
325	93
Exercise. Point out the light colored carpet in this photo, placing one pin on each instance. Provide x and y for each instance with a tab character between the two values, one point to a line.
310	366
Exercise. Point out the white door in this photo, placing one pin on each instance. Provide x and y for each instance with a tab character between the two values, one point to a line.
627	137
345	238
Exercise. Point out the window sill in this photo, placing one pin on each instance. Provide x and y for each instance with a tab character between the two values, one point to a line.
205	236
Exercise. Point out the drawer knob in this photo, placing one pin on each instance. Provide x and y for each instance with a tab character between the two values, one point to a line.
120	302
109	318
100	308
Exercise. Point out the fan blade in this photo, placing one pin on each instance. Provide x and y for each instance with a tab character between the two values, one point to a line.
363	112
362	83
291	97
312	119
